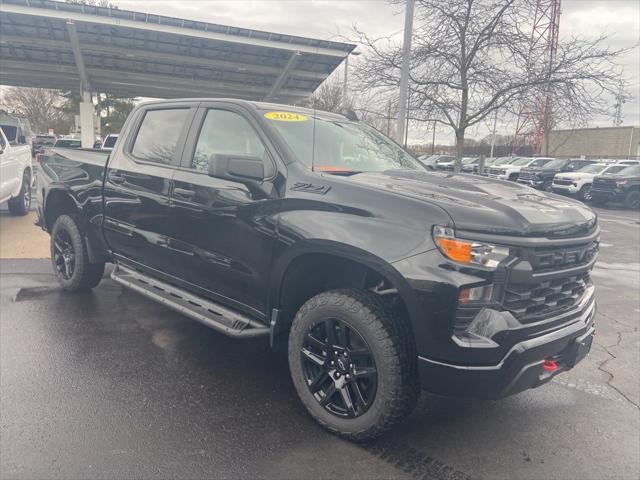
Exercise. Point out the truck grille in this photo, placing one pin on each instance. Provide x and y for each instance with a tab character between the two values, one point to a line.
528	302
545	259
495	171
527	176
562	181
604	184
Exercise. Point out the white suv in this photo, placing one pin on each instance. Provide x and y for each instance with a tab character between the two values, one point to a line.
511	170
15	169
579	183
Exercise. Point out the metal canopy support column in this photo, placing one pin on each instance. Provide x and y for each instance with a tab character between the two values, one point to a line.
404	72
87	127
283	76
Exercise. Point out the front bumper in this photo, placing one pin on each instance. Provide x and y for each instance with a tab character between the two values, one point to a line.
523	365
498	176
532	183
608	195
566	189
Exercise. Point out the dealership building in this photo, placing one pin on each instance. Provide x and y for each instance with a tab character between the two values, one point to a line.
603	142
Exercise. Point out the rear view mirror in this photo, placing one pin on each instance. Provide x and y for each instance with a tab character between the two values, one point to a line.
236	167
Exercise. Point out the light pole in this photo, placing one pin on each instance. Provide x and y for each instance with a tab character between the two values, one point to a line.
345	81
493	135
404	72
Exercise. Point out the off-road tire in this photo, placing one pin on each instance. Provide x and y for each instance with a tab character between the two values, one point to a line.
86	275
388	338
632	200
20	205
585	193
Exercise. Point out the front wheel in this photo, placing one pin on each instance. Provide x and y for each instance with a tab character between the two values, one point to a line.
632	200
352	364
20	205
585	193
70	257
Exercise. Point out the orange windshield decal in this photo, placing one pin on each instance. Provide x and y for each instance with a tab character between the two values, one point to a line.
329	168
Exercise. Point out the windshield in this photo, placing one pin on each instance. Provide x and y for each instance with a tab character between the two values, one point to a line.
592	169
540	162
614	169
340	146
555	164
630	171
504	160
467	161
521	161
45	139
68	143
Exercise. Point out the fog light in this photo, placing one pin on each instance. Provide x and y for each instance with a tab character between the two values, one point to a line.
475	294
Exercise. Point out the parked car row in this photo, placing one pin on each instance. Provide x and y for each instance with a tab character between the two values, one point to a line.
598	181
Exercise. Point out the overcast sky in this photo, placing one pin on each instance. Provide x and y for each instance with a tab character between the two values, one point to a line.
328	18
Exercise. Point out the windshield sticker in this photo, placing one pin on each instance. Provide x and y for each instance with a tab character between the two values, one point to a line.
285	116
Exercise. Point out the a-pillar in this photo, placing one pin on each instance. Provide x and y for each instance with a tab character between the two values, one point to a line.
87	113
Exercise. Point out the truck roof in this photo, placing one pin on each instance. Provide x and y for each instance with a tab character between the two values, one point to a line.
257	106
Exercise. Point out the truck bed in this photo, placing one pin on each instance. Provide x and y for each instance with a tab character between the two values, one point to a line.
77	172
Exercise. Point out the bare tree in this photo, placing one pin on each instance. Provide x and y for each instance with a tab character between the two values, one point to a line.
329	96
42	107
471	57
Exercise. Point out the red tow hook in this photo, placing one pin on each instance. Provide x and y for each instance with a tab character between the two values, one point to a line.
549	366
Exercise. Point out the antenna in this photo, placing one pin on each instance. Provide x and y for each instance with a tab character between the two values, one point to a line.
313	137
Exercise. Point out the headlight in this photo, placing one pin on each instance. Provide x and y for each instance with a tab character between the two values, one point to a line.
621	183
468	252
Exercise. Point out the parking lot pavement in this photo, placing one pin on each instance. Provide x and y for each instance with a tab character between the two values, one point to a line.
111	385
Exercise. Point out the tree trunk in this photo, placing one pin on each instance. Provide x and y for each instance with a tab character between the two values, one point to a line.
457	168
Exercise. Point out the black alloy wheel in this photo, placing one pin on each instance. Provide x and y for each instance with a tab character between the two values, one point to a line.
339	368
632	200
64	256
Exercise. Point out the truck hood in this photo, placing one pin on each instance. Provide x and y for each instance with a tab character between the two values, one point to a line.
485	205
540	170
575	175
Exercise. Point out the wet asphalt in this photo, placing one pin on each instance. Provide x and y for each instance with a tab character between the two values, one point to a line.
110	385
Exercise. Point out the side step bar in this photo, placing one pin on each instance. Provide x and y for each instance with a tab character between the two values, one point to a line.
207	312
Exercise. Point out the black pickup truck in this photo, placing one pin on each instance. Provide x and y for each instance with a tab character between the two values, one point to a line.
623	187
379	277
542	177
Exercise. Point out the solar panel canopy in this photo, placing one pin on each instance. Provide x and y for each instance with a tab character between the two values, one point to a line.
68	46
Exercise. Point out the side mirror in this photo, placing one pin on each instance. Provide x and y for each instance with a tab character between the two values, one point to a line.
236	167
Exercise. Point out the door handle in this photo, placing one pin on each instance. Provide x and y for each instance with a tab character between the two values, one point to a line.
184	193
116	178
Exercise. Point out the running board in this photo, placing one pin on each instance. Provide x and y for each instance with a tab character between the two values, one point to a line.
209	313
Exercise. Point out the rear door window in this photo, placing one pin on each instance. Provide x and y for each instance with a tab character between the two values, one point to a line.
157	137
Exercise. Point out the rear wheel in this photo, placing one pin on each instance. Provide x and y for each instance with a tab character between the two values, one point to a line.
21	204
70	257
351	364
632	200
585	193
